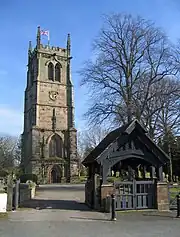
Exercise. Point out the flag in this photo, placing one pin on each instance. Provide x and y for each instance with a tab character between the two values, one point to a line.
45	32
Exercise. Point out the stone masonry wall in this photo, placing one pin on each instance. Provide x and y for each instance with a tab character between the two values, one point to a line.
73	144
39	106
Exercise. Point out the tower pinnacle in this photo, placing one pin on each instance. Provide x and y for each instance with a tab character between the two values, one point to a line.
30	49
69	45
30	46
38	37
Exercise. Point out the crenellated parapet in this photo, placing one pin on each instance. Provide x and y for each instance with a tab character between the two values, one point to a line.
52	48
40	48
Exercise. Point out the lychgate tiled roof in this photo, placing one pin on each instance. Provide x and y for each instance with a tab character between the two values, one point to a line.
118	134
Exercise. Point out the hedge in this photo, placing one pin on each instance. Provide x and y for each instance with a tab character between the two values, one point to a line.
25	177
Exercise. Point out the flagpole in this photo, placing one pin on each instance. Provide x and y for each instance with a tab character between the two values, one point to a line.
48	39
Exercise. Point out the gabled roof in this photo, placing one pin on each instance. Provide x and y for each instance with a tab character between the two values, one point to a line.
117	133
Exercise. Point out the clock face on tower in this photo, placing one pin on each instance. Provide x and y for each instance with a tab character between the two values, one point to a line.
53	95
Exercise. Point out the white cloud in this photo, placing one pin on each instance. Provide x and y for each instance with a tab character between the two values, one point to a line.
11	121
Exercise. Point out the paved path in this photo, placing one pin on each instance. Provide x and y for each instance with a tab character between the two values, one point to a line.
58	211
57	203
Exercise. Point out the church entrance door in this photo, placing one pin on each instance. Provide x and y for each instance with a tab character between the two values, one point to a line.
56	174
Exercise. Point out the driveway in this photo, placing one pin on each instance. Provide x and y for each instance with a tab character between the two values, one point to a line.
58	202
59	211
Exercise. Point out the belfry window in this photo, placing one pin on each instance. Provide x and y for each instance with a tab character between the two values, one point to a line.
50	71
58	72
56	146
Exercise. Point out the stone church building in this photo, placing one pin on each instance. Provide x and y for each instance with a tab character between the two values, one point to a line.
49	139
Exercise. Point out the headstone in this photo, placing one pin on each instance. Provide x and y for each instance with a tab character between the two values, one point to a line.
164	177
117	174
167	177
147	174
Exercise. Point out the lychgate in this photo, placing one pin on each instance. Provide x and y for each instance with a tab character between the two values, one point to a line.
129	152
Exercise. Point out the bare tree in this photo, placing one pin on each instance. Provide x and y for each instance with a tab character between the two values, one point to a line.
89	139
162	108
128	52
10	155
169	115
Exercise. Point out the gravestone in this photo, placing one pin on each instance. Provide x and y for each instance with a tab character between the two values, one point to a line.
164	177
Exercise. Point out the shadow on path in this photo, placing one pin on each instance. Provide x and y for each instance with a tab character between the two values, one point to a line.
148	215
58	196
56	204
90	219
170	215
57	188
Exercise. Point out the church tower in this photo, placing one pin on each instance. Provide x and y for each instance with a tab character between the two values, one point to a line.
49	139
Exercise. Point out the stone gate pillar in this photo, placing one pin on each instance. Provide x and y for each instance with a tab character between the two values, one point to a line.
106	190
162	196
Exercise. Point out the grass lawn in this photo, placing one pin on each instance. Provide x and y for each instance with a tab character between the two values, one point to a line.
3	215
113	179
78	180
174	191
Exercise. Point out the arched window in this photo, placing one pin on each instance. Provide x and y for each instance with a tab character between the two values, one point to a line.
56	146
58	72
50	71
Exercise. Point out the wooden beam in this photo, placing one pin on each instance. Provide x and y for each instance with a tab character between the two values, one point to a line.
107	152
131	153
112	147
161	156
130	128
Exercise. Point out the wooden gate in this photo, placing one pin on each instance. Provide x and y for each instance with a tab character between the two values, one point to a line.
135	195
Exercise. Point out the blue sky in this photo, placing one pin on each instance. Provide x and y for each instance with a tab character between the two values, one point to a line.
82	19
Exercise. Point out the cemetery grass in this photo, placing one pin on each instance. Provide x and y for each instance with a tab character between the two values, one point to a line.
3	215
79	179
174	191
